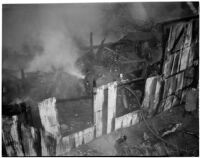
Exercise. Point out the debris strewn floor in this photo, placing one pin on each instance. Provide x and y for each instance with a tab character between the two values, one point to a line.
141	142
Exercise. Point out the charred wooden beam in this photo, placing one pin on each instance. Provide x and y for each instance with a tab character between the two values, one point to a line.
132	81
177	20
132	61
73	99
101	46
86	48
124	83
192	8
112	51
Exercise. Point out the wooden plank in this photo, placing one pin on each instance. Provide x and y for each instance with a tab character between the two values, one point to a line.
98	104
63	146
180	78
126	120
157	94
168	103
28	135
66	145
188	37
166	88
105	112
48	116
112	96
98	122
43	144
118	123
11	137
175	66
88	134
150	88
184	58
78	138
166	66
191	57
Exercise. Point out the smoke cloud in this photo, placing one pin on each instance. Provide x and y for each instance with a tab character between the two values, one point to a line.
60	29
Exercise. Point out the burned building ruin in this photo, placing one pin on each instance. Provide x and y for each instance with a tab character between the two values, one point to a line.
137	96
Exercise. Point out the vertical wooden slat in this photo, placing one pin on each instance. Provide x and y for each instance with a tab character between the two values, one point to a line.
105	112
191	57
78	138
126	120
28	134
11	137
88	134
184	58
112	96
43	144
48	116
98	104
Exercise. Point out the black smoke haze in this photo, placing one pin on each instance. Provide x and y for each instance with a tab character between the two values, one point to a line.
46	35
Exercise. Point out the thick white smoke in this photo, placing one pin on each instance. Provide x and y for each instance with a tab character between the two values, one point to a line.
60	29
56	27
59	52
59	26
